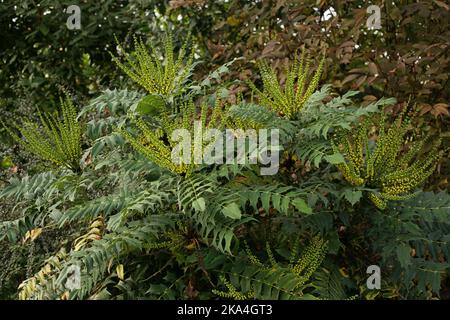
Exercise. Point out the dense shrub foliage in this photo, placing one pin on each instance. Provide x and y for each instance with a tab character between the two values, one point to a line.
362	177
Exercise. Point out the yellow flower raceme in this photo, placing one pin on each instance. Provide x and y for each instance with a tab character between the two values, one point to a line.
290	98
156	143
155	76
56	139
394	167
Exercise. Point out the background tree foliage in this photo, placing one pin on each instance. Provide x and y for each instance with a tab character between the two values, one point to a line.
140	231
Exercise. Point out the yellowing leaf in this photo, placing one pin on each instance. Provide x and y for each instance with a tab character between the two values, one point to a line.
32	234
120	272
233	21
191	246
110	264
35	233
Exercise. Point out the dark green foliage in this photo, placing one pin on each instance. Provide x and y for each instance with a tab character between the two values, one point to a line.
255	280
144	220
139	227
42	53
414	246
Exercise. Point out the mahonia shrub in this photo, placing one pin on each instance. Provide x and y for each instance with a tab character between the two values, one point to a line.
140	226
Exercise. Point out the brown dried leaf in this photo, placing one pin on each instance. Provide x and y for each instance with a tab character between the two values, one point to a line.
373	69
442	4
369	98
360	81
350	77
440	109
